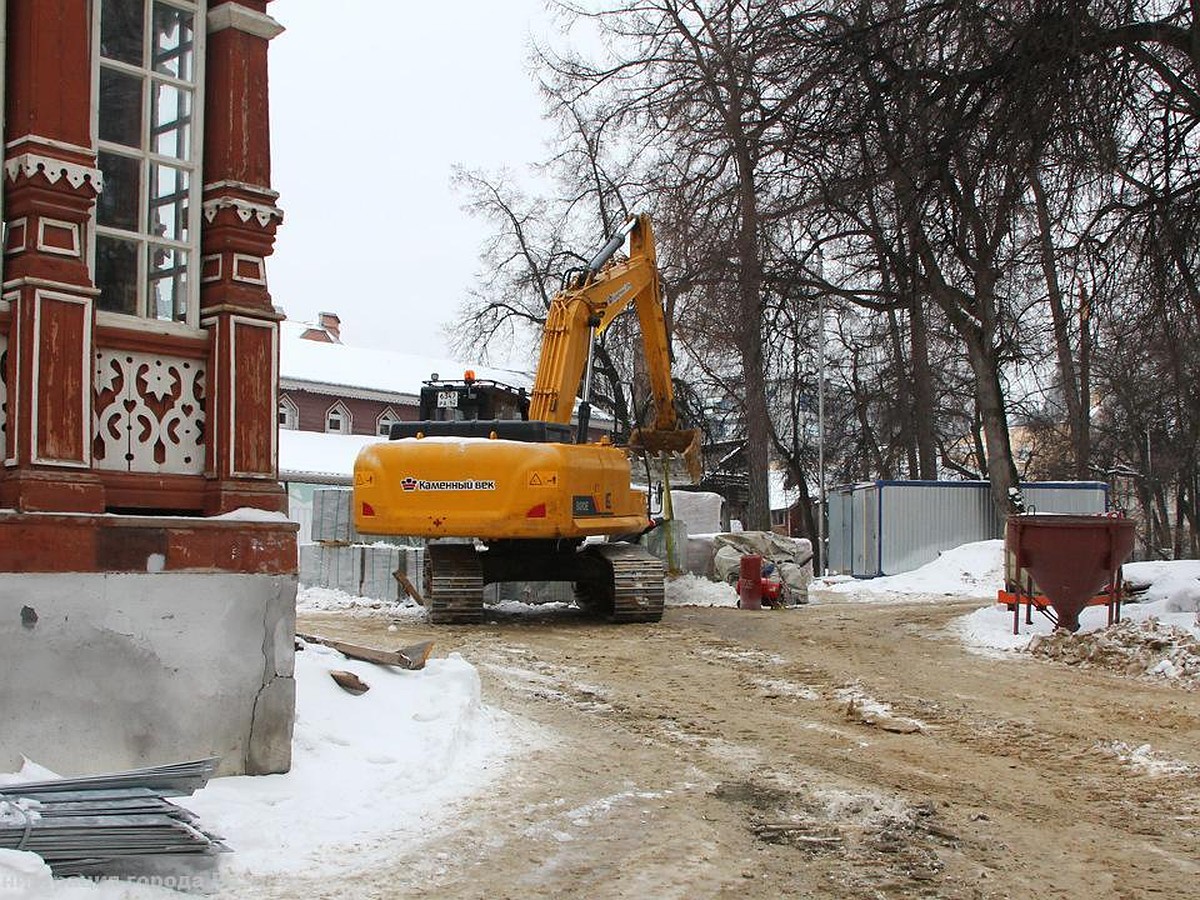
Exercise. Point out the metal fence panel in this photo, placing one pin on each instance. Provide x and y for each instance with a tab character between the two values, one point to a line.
889	527
919	520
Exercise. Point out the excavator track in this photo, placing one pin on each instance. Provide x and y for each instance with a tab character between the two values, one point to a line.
453	584
634	583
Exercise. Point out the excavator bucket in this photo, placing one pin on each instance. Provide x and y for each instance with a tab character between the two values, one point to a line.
678	450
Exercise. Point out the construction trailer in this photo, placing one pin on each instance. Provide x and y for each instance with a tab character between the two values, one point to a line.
888	527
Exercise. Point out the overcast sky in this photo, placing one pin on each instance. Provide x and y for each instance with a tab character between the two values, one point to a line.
373	102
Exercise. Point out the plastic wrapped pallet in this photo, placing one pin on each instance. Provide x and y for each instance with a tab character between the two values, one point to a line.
331	518
310	565
669	543
379	561
700	548
701	510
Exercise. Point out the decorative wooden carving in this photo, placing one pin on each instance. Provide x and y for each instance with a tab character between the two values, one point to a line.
149	413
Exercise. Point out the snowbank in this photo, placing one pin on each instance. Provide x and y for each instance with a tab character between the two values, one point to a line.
1175	583
692	590
323	599
972	570
368	771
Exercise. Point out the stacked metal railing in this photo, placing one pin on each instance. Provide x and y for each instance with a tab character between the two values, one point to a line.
87	825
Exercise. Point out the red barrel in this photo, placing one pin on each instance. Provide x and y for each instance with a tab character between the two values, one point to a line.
750	582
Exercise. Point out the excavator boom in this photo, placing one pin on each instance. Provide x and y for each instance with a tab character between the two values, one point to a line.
587	306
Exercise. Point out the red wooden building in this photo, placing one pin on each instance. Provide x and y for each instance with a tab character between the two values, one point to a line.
139	344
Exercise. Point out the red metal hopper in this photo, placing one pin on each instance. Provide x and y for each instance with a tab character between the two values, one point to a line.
1070	558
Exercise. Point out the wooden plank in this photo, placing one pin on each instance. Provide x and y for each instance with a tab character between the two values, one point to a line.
409	587
411	657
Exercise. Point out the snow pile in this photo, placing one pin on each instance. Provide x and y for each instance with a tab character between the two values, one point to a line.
862	707
692	590
1170	585
1175	583
1147	648
25	876
323	599
1144	760
972	570
368	771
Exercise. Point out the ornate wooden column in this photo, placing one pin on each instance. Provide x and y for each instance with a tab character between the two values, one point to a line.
238	233
50	184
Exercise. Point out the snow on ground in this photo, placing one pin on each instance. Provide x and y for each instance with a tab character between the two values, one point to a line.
369	772
1158	637
972	570
1144	760
23	876
323	599
692	590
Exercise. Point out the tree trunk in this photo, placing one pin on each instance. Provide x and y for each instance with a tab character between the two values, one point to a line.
1062	338
989	399
750	347
922	389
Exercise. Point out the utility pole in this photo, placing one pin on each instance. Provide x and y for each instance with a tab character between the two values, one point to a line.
821	416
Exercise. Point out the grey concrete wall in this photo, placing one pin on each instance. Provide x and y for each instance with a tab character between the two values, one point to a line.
104	672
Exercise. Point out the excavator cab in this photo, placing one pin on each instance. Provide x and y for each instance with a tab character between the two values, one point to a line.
477	408
472	398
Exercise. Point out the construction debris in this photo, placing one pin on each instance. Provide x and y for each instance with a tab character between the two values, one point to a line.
411	657
90	824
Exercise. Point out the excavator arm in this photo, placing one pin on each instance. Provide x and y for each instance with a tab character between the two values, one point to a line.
589	302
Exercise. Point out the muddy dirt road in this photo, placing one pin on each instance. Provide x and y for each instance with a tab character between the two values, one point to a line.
724	753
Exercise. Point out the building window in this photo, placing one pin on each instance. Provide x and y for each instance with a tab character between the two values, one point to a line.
289	415
337	420
148	56
385	422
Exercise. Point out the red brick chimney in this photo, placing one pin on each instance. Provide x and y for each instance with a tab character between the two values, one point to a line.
332	324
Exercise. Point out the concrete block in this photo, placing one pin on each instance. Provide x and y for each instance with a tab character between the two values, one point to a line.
127	670
378	564
269	749
331	515
310	564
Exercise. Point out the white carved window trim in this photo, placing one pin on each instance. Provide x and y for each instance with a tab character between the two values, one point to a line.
385	420
193	166
345	420
289	414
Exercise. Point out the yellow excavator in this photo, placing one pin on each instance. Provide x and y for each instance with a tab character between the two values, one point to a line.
500	467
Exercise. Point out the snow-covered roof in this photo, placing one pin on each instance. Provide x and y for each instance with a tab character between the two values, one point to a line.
341	365
314	453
